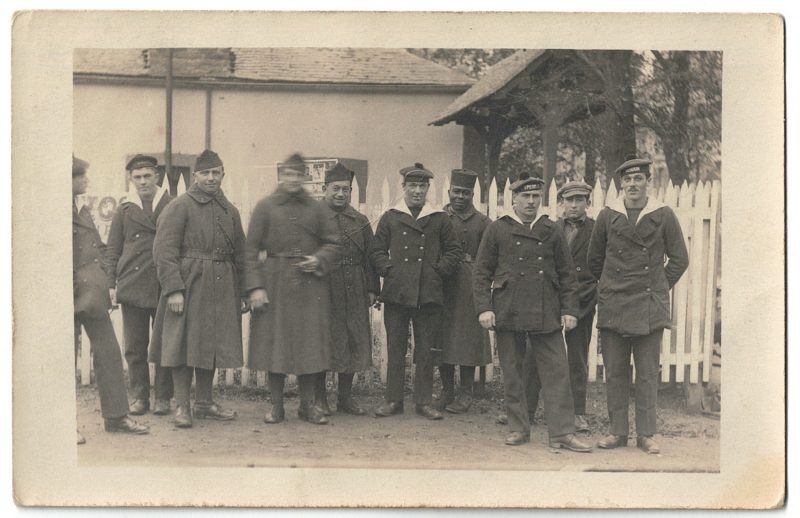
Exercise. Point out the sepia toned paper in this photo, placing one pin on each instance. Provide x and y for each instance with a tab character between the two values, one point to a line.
45	467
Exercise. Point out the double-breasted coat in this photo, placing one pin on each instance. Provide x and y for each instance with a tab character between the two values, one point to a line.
199	250
414	256
629	261
525	275
90	278
292	333
129	253
352	279
465	341
579	249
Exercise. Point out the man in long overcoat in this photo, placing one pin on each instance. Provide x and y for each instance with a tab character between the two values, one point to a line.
354	288
630	242
290	324
414	250
199	255
130	257
525	289
577	228
91	283
465	342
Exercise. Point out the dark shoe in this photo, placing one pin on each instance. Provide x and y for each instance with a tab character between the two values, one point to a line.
460	405
570	442
581	425
647	444
276	415
162	407
389	408
311	414
139	407
503	419
611	441
81	440
125	425
348	405
428	412
213	411
445	399
517	438
322	404
183	416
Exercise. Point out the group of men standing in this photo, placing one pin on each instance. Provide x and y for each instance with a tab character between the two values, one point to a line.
309	272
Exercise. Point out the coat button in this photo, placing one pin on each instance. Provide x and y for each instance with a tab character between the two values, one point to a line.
95	260
405	248
137	235
646	267
518	243
644	249
404	232
423	235
617	270
419	259
520	258
422	248
539	258
648	290
136	268
540	243
541	272
578	268
406	259
522	274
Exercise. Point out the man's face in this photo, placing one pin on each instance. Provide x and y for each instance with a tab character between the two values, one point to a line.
146	182
292	180
80	184
460	197
415	192
209	180
337	194
634	187
526	203
575	206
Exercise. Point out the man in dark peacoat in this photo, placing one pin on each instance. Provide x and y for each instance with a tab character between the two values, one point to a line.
414	250
199	256
465	342
525	289
129	255
631	239
290	330
354	288
91	284
577	228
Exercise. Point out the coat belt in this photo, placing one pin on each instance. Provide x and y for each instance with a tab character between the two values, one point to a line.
193	253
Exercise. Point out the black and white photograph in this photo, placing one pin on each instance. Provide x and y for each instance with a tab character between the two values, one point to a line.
401	261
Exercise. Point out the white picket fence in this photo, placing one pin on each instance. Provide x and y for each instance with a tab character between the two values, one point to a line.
687	346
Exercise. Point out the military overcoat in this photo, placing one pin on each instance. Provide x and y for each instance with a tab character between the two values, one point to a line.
90	279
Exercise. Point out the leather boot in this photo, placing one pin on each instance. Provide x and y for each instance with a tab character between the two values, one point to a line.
212	410
139	407
125	425
183	416
460	405
321	393
647	444
611	441
311	413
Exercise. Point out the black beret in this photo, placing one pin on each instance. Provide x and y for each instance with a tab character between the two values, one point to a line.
79	166
463	178
339	173
140	161
526	182
295	162
207	160
633	164
416	171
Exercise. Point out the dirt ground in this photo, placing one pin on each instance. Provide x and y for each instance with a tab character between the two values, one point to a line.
689	443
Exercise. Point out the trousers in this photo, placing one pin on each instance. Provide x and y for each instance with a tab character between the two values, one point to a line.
107	362
136	323
427	322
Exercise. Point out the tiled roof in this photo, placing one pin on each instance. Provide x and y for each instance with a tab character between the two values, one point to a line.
275	65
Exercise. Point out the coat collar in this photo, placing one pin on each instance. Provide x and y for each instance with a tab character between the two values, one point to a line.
652	204
348	211
513	216
282	196
427	209
471	211
202	197
136	200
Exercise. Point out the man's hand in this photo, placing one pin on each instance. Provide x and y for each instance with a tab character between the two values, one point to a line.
175	302
309	264
568	322
487	320
258	298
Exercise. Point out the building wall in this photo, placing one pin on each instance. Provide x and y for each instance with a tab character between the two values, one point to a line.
252	130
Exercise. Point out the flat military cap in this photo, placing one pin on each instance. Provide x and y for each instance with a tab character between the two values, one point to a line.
295	162
339	173
633	164
463	178
575	188
207	160
416	172
140	161
526	182
79	166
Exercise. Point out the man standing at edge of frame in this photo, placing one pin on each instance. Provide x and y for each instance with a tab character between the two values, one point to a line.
199	255
414	249
577	228
525	288
130	256
290	322
354	288
91	283
465	342
631	238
